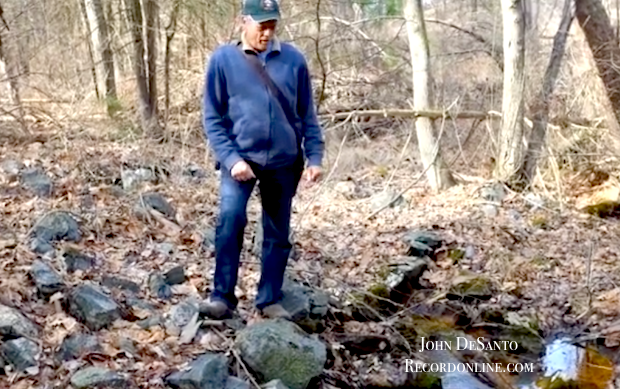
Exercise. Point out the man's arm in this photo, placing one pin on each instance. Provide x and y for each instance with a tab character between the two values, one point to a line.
215	108
313	137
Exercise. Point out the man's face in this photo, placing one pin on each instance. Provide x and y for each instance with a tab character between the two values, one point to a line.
258	35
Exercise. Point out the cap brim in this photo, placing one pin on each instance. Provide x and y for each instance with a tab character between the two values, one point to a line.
266	17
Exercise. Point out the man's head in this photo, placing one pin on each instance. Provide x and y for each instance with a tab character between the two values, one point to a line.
260	18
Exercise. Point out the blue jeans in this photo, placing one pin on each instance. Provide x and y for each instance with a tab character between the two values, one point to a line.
277	188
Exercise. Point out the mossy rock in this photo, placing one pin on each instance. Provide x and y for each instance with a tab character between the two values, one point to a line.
279	349
604	209
426	380
470	286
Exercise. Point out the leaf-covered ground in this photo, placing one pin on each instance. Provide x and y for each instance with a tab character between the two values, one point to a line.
550	265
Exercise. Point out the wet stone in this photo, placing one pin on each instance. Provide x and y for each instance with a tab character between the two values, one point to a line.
54	226
422	243
113	282
175	276
94	308
11	168
155	201
46	279
307	306
74	260
76	345
13	323
236	383
275	384
36	181
21	353
97	377
209	371
159	288
132	179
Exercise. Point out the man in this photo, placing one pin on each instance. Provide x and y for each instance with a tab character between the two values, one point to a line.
260	119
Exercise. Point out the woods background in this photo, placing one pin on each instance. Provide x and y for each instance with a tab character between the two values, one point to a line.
64	63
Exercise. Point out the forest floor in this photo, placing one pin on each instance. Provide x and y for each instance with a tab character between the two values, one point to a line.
550	267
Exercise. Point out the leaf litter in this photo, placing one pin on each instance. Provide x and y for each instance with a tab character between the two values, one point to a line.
538	259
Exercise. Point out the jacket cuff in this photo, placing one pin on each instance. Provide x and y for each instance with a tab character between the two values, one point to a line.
314	160
231	160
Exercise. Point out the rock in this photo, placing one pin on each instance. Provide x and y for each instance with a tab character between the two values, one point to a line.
422	243
21	353
208	239
534	200
128	346
47	280
468	286
159	287
94	308
150	322
180	315
274	384
37	182
175	276
307	306
98	377
384	198
113	282
54	226
347	188
156	201
11	168
490	210
280	349
74	260
165	249
494	193
403	277
14	324
470	252
194	171
132	179
76	345
209	371
236	383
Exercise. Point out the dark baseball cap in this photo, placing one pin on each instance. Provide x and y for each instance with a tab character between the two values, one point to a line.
261	10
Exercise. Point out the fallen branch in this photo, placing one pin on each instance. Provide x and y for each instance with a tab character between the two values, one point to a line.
413	113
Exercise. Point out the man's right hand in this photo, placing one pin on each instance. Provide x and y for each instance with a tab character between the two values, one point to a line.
241	171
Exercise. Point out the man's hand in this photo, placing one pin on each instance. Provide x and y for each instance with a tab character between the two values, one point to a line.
241	171
312	173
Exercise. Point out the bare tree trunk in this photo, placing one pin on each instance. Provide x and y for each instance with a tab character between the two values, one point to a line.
540	108
104	57
599	33
9	68
511	148
438	175
149	121
90	47
150	13
171	29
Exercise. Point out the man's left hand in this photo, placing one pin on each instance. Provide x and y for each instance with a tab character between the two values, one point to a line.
312	173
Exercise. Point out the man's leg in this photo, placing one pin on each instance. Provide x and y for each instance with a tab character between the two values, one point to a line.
277	188
232	220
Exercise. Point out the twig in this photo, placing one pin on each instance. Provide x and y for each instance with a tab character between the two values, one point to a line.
236	354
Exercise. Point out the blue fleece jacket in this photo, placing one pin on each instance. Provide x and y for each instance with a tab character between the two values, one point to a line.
244	121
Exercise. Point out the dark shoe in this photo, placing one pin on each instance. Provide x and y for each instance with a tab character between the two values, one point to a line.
215	309
276	311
